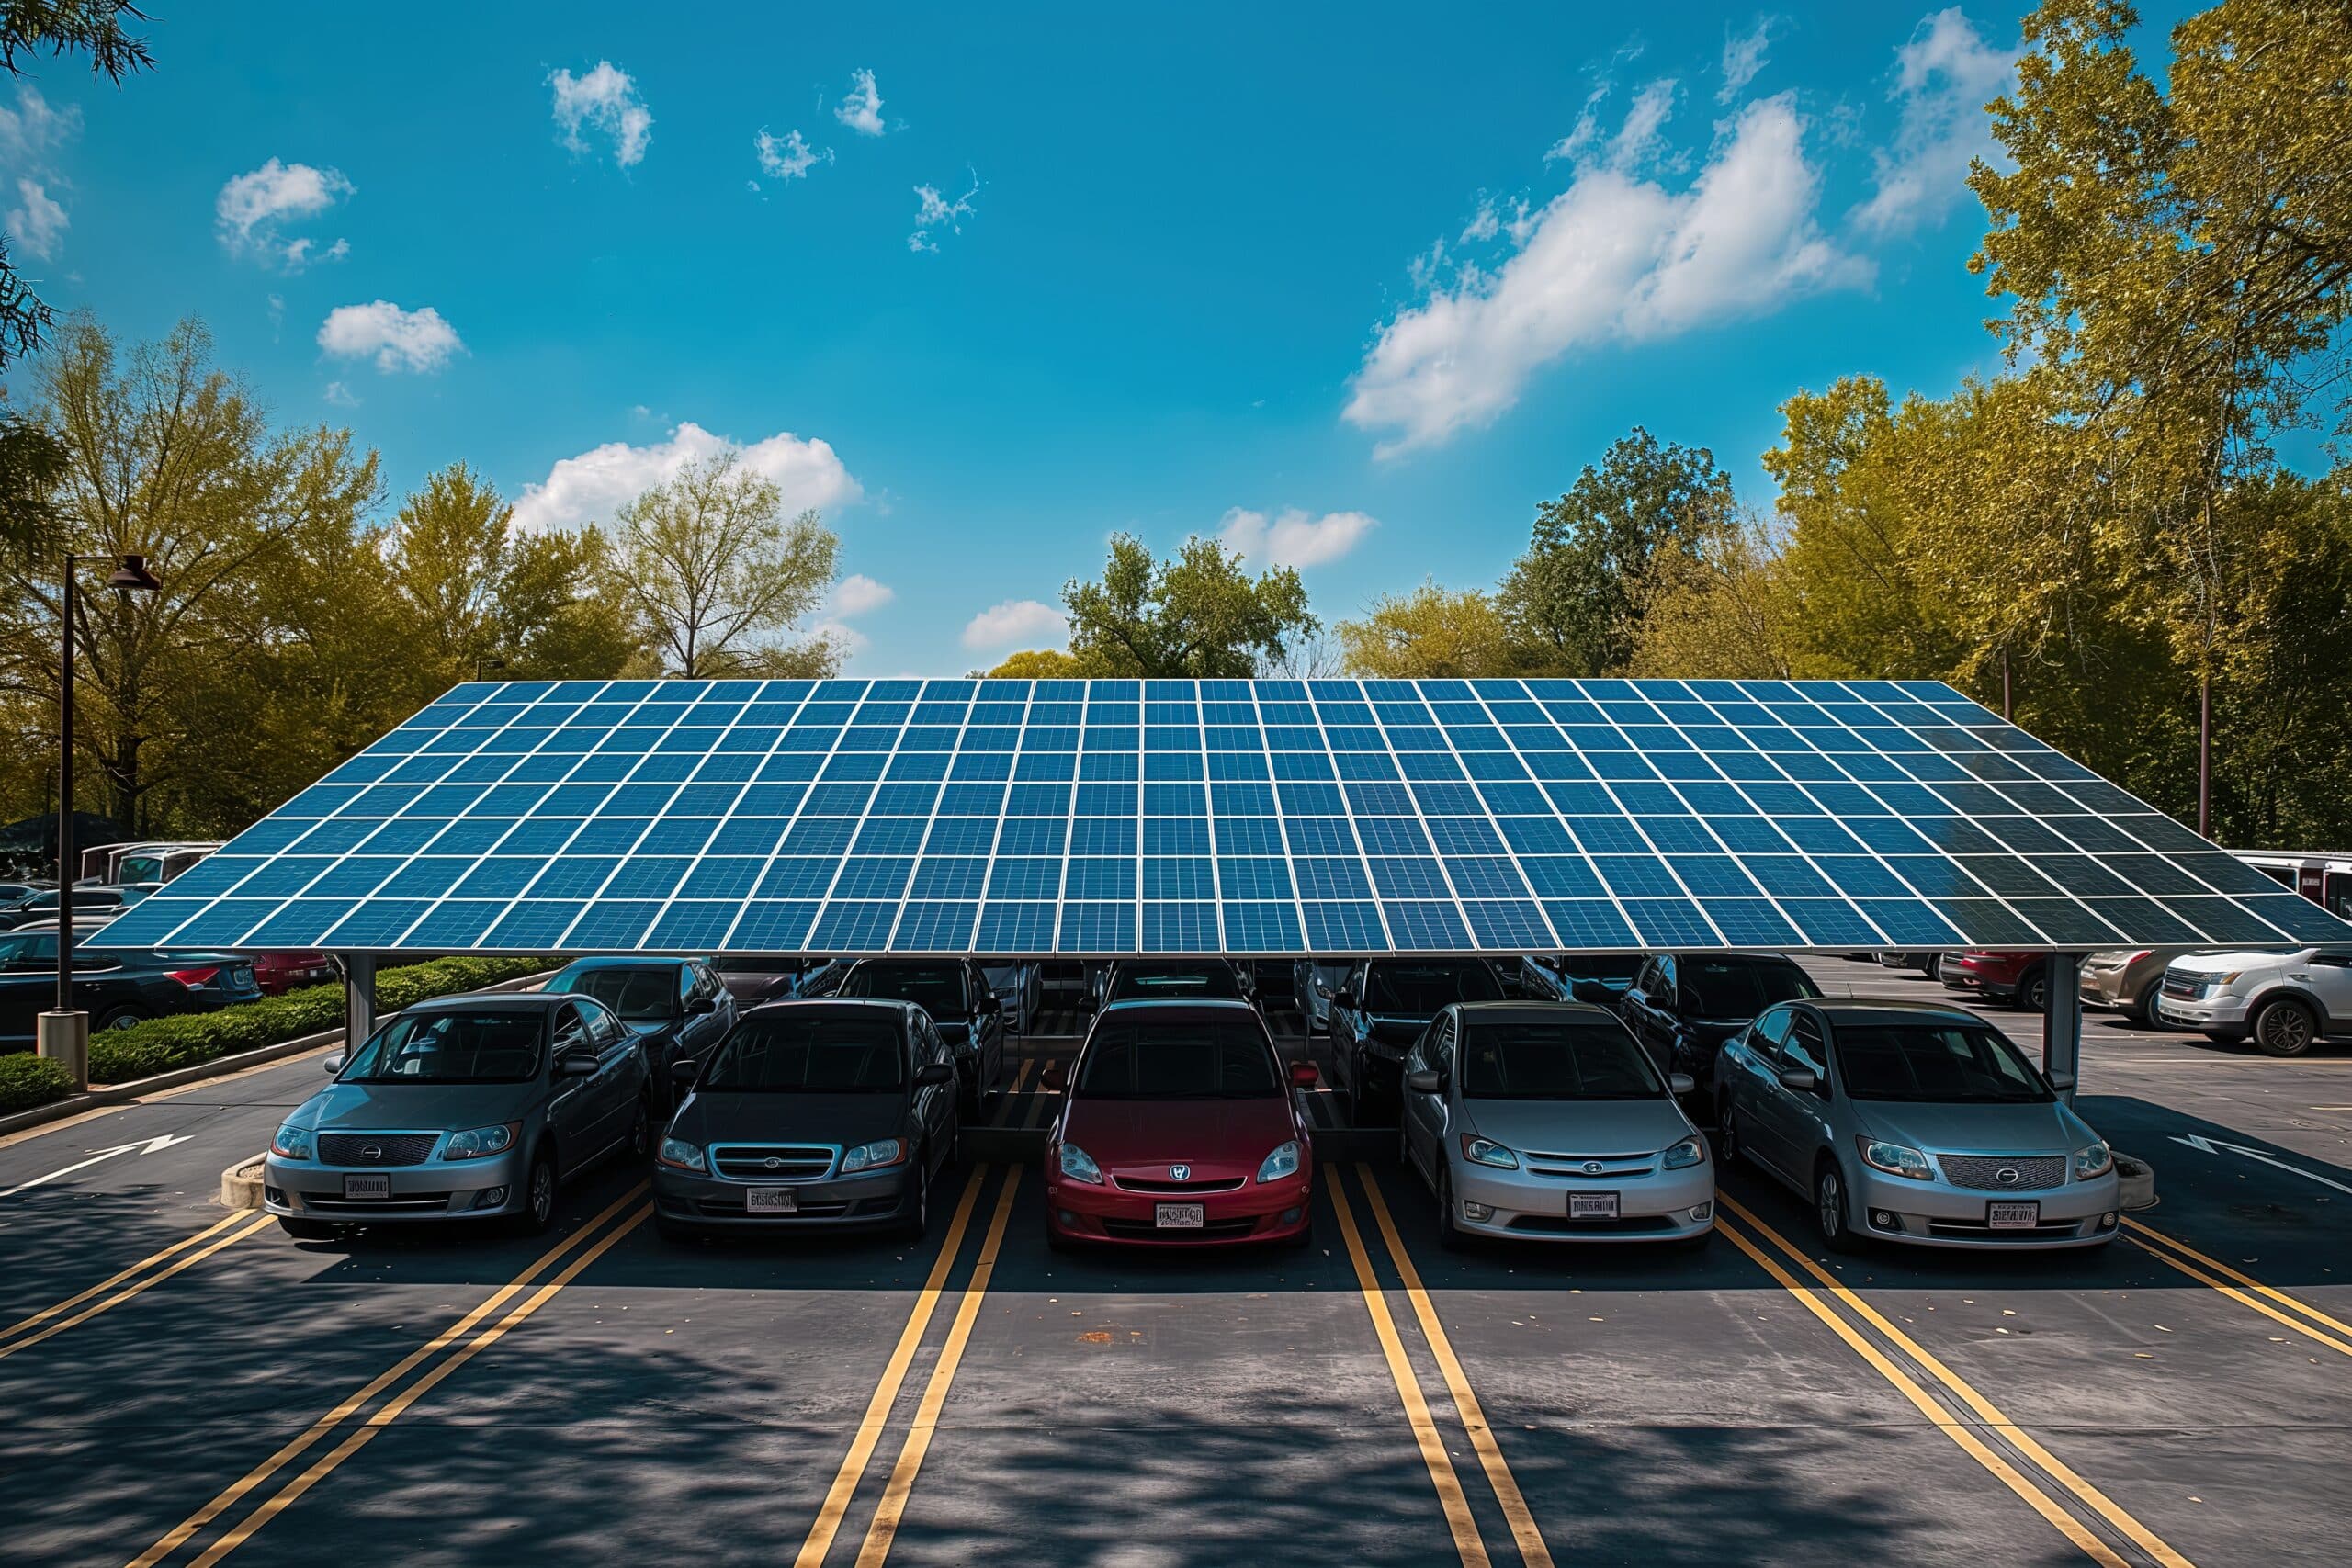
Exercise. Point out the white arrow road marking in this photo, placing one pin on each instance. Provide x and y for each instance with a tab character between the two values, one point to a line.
2214	1145
149	1147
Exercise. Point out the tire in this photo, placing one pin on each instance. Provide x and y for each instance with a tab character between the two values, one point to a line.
1450	1235
1934	967
2033	991
1404	1145
123	1018
537	1212
1832	1210
306	1230
1728	1152
916	1224
2144	1009
639	1146
2283	1027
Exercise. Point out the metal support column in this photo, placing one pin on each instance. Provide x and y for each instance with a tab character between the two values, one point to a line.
358	998
2062	1018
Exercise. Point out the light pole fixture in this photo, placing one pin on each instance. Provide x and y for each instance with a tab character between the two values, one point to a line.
483	664
64	1033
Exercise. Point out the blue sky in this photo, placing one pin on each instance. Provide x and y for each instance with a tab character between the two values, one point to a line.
1357	287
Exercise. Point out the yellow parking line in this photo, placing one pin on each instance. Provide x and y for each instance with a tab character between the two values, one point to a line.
2281	1297
886	1393
1039	1098
157	1277
2241	1297
69	1303
179	1534
1523	1530
2105	1508
884	1530
1467	1541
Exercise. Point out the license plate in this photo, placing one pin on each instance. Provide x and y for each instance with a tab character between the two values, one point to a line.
1592	1205
1180	1216
367	1187
773	1200
2012	1216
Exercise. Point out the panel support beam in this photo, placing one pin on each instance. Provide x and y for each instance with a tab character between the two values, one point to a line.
358	998
2062	1017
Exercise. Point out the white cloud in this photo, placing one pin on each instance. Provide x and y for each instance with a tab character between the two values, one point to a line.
788	159
862	109
847	638
31	135
1613	257
591	486
341	396
605	99
1022	623
937	211
1945	74
1292	537
858	594
1744	57
298	254
399	339
253	206
38	220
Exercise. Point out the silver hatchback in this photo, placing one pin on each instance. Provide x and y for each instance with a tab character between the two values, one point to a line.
1913	1123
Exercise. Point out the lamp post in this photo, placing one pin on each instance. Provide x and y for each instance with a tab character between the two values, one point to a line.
64	1033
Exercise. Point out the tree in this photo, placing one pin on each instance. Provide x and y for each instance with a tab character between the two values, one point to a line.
1575	599
708	569
1431	633
58	27
1199	614
1038	664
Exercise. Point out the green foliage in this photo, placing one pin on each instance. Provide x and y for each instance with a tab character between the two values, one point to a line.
158	1045
1431	633
27	1080
1038	664
1200	615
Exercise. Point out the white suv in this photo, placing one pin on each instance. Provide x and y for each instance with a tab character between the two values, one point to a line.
2285	1001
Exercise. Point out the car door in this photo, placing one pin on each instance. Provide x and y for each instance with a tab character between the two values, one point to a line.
573	1113
621	1071
1425	1114
1649	1009
988	1026
2327	975
1744	1073
1790	1120
934	1104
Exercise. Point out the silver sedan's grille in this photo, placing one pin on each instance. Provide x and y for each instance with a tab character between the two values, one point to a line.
1590	1168
1990	1173
774	1162
375	1148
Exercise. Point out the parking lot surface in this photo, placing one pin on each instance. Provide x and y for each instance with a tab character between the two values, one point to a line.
182	1386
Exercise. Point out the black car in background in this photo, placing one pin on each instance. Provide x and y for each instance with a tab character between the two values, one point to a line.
42	904
1173	979
1683	1005
960	1002
1597	979
1380	1010
676	1007
116	988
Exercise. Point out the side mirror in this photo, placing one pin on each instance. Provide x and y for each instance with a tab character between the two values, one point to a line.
2061	1082
1088	1005
931	1075
1055	1077
332	1065
577	1064
701	1007
1304	1075
1429	1080
684	1070
1800	1080
991	1003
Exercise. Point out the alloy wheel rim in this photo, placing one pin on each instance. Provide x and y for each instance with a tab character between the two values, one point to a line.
542	1190
2285	1027
1833	1206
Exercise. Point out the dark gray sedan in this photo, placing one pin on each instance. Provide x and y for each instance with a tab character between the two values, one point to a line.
812	1115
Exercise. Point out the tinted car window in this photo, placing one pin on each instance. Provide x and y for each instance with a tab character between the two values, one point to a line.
1602	965
1801	1049
1555	1061
1415	989
938	988
450	1047
1726	988
1136	982
1944	1063
810	1055
641	996
1171	1060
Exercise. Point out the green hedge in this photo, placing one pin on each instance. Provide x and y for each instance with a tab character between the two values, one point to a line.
160	1044
27	1080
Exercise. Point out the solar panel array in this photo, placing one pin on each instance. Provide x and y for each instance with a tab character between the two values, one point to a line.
1102	818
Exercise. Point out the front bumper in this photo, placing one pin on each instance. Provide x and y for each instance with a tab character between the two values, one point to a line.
2104	989
1996	988
1256	1210
438	1189
690	1202
1935	1214
2215	1015
1658	1205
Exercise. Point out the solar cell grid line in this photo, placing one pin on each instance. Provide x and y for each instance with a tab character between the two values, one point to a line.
1479	695
621	854
906	891
759	698
1282	815
996	832
760	893
1444	871
1355	835
819	937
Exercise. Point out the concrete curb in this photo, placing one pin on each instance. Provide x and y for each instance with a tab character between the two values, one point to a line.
218	1068
241	1184
2137	1179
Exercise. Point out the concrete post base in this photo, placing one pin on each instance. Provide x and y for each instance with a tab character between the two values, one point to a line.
66	1037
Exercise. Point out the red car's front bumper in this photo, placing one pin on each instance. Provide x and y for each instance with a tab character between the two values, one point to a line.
1270	1211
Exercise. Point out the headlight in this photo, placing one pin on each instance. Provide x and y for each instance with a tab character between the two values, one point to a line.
1684	1154
1485	1151
1078	1166
291	1142
875	1156
1283	1162
1895	1160
482	1142
683	1156
2096	1161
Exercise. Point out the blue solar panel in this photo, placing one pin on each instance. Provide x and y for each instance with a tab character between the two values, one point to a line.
1110	817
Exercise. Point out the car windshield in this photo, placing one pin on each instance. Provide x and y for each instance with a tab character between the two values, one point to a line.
1204	1059
1134	982
1554	1060
640	995
1729	987
938	988
1418	990
451	1047
802	1055
1945	1064
1610	968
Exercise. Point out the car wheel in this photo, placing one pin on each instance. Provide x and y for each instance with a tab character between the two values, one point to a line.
1934	967
306	1230
1404	1145
640	1134
1830	1213
2284	1027
124	1017
1450	1235
1727	1149
2033	992
2145	1008
539	1198
917	1223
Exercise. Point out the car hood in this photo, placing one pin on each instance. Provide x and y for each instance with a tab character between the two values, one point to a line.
1218	1138
1579	1126
718	1117
2224	963
1975	1129
385	1108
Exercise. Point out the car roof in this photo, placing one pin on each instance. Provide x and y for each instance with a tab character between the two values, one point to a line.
1564	1009
506	1001
836	1004
1169	1007
1837	1008
628	961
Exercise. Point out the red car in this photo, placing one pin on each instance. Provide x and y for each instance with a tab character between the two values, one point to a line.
1181	1126
2017	978
278	973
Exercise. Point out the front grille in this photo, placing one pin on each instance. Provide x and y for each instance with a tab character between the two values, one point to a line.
1613	1168
1144	1230
1560	1225
398	1203
2187	987
1138	1184
375	1148
767	1163
1982	1173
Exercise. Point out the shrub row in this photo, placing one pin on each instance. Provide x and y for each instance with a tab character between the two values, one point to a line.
160	1044
27	1080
